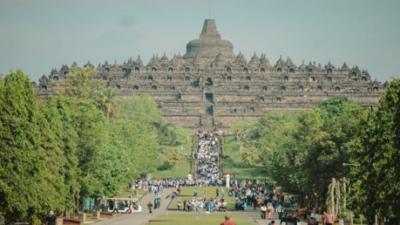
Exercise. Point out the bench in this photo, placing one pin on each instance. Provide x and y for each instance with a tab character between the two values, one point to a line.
106	215
70	221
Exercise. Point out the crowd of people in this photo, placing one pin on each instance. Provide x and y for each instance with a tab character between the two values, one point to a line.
202	205
156	183
258	195
207	157
255	194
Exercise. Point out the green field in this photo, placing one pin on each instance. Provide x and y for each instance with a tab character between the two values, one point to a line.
194	218
202	192
235	162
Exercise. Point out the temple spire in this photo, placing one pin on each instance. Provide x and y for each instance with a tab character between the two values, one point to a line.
210	30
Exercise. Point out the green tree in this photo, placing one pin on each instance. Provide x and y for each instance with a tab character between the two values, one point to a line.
330	146
90	125
134	130
249	155
302	153
172	157
69	137
142	109
83	85
240	129
172	134
376	181
110	102
54	190
88	104
22	161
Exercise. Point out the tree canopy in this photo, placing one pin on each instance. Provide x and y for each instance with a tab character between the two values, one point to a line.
84	142
376	181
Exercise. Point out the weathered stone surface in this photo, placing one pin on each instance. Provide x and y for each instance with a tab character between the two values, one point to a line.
209	45
210	86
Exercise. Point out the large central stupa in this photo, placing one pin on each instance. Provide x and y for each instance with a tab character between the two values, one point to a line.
209	45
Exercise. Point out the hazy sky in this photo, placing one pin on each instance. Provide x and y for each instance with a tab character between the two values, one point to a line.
38	35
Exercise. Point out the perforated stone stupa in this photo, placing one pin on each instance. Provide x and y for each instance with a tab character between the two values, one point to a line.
211	86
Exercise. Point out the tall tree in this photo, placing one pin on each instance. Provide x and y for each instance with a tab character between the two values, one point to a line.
110	104
376	181
90	125
21	160
134	130
69	137
83	85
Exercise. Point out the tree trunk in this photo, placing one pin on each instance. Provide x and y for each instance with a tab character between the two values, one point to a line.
344	191
338	207
333	196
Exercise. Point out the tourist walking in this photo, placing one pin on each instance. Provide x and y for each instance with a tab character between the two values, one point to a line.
270	210
150	206
263	212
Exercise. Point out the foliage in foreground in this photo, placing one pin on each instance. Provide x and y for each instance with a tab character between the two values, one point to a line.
85	142
304	152
377	179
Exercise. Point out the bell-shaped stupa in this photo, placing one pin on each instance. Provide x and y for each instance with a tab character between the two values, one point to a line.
209	45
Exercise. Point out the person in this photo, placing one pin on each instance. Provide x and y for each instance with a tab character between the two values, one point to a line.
51	219
217	192
228	221
195	192
254	200
225	206
150	206
270	211
130	210
179	205
211	205
328	218
115	210
263	212
272	222
155	203
314	218
159	203
111	205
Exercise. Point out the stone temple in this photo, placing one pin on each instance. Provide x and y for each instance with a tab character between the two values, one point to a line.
212	86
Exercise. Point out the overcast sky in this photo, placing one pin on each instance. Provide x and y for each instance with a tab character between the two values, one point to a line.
38	35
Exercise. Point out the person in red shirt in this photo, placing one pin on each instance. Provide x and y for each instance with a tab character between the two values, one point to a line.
228	221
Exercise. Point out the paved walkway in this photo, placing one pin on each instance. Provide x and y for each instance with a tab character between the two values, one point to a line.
142	217
255	215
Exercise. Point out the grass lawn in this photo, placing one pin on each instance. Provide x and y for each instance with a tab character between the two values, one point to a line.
235	162
180	170
193	219
202	192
